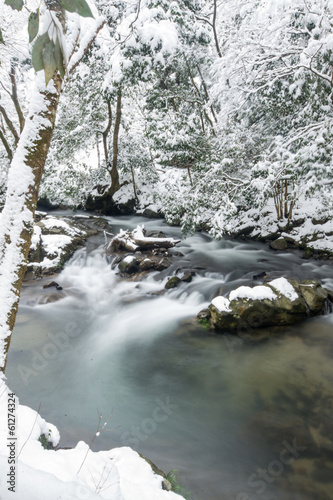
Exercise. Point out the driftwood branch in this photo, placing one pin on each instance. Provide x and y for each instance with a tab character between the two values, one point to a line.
136	240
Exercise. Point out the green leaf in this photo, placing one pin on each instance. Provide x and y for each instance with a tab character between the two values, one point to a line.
1	37
37	52
15	4
50	63
79	6
33	25
59	57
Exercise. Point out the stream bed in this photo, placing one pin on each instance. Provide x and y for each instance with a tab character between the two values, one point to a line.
239	417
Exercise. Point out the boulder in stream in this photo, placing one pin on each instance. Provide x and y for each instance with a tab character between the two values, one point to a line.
280	302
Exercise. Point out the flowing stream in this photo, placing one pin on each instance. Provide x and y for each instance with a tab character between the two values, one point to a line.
247	417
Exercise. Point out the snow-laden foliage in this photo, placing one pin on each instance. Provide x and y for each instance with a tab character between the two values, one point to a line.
273	85
234	102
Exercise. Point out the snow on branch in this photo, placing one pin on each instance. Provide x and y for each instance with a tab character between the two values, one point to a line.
85	43
137	240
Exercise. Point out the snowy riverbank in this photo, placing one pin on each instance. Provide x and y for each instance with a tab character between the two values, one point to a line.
31	472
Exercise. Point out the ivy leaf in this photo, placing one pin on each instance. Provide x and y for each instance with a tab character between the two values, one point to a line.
15	4
79	6
37	52
59	57
1	37
50	63
33	25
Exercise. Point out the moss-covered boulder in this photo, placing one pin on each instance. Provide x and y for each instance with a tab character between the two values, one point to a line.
280	302
172	282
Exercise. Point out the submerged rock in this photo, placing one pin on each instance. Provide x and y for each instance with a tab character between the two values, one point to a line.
53	284
280	302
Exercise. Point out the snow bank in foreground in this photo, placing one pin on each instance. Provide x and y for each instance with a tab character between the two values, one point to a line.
40	474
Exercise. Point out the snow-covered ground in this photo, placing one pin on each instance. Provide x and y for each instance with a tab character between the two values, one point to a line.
31	472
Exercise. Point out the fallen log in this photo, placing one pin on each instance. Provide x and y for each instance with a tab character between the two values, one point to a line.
137	240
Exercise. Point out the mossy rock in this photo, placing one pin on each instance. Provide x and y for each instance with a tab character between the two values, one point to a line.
309	299
172	282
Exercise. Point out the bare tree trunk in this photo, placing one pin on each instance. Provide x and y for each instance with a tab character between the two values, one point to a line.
134	184
206	93
106	132
214	30
115	185
98	151
286	211
189	174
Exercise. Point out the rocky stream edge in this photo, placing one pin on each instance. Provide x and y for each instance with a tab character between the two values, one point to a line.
278	302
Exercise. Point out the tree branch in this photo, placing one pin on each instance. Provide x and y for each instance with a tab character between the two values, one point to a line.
15	98
100	24
6	145
10	125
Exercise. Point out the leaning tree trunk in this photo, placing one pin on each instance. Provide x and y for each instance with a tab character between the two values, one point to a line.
21	199
23	183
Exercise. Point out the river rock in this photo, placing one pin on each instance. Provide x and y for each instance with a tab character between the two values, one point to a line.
52	284
151	214
280	302
147	265
163	264
187	277
172	282
129	265
279	244
314	295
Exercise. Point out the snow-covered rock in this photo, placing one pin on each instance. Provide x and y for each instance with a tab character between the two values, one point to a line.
279	302
56	238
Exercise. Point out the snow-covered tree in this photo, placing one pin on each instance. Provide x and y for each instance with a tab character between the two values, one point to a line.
273	85
54	51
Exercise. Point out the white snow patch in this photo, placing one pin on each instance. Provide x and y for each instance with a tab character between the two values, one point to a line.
118	474
256	293
285	288
52	222
129	259
53	244
35	239
221	304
